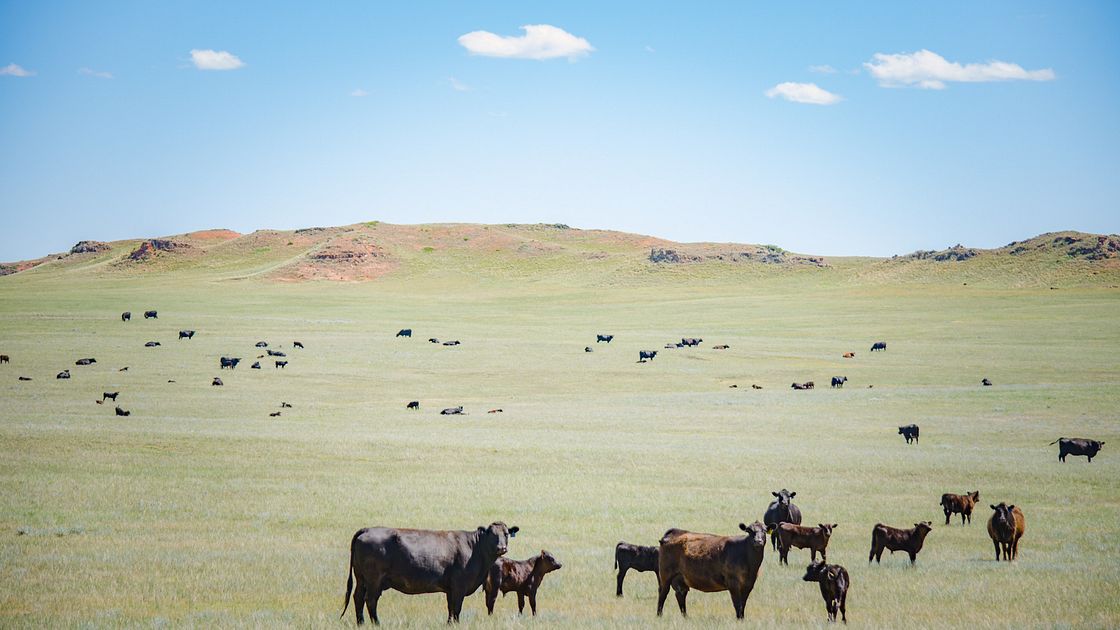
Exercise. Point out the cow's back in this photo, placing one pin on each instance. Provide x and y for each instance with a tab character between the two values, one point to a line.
411	561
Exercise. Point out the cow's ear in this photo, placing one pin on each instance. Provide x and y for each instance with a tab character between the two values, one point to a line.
774	493
835	525
513	531
481	529
991	506
1011	507
792	494
743	526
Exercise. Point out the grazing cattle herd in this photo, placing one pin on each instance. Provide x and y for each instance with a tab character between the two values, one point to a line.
458	563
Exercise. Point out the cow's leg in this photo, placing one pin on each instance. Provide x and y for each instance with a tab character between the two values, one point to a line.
947	513
830	606
622	568
663	586
533	601
682	594
913	556
739	601
844	606
491	597
1015	549
359	600
824	554
774	539
373	594
520	603
454	605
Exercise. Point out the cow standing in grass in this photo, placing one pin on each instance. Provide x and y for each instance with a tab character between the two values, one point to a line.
1005	527
710	563
959	504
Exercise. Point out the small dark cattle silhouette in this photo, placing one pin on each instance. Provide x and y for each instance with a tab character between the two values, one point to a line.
646	355
878	345
413	405
274	414
152	344
606	338
588	349
122	412
186	334
276	353
495	411
451	343
812	538
63	374
217	382
710	563
255	366
910	432
4	358
636	557
834	582
262	344
959	504
151	315
284	405
1077	447
721	347
838	381
297	344
780	510
229	362
280	364
690	341
452	411
25	378
404	332
85	362
521	576
126	316
433	340
849	355
1006	526
805	385
417	561
109	396
985	382
894	539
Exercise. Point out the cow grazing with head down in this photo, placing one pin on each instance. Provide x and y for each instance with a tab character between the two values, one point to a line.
186	334
405	332
415	404
959	504
229	362
606	338
524	577
879	345
126	316
281	364
636	557
895	539
985	382
710	563
780	510
910	432
812	538
297	344
646	355
1005	527
838	381
1077	447
834	582
151	315
416	561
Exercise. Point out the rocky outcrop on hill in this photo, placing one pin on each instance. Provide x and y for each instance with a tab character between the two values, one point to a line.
149	248
769	255
89	247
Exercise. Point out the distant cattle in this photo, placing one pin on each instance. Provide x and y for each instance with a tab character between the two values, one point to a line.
753	386
670	346
588	349
721	347
452	411
4	358
262	344
646	355
217	382
276	353
690	341
63	374
838	381
805	385
910	432
433	340
710	563
281	364
878	345
122	412
495	411
524	577
416	561
152	344
151	315
186	334
606	338
959	504
126	316
415	404
109	396
297	344
123	369
274	414
985	382
229	362
834	582
895	539
451	343
636	557
1005	527
1077	447
284	405
849	355
812	538
90	361
404	332
255	366
780	510
25	378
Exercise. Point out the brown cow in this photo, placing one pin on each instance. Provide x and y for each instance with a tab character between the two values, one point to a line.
959	504
849	355
894	539
1006	527
834	582
710	563
812	538
522	576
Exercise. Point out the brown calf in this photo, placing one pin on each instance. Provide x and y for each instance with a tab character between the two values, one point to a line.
849	355
959	504
1006	527
812	538
894	539
522	576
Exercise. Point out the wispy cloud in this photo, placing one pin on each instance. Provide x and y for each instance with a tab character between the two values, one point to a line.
809	93
650	49
215	60
458	85
15	70
95	73
929	70
823	69
540	41
359	93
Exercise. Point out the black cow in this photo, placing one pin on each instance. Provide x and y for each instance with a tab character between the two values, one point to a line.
280	364
452	411
433	340
25	378
588	349
284	405
151	315
126	316
781	510
122	412
985	382
276	353
152	344
838	381
691	341
404	332
109	396
606	338
417	561
186	334
644	355
85	361
878	345
255	366
1076	447
274	414
834	582
415	404
451	343
910	432
229	362
5	358
262	344
297	344
63	374
217	382
636	557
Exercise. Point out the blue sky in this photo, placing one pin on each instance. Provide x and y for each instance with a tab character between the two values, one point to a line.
643	117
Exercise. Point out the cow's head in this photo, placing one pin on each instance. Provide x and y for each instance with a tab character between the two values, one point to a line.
903	430
756	532
546	563
784	496
815	572
1095	446
497	535
974	495
826	529
923	528
1003	516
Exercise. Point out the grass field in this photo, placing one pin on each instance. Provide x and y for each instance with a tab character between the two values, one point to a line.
201	510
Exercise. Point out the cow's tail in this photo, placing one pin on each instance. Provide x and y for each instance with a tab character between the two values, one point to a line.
349	575
1054	442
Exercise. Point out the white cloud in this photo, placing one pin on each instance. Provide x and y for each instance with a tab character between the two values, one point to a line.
540	41
823	69
15	70
650	49
804	93
94	73
215	60
458	85
359	92
929	70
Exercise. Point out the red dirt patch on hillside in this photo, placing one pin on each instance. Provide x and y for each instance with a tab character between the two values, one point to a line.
213	235
349	258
